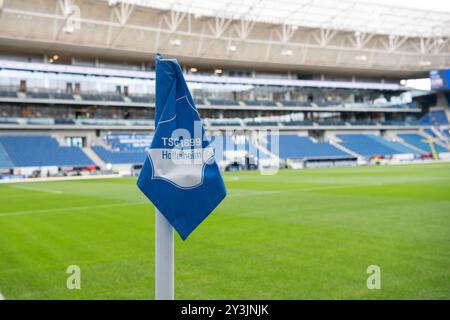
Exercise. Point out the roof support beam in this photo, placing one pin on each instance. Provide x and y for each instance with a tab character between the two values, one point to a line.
174	20
360	39
122	12
326	35
218	25
285	32
243	28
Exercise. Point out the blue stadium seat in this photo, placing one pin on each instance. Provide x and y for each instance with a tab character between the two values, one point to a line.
419	141
42	150
296	147
371	145
430	133
438	117
5	161
123	157
124	148
435	117
396	146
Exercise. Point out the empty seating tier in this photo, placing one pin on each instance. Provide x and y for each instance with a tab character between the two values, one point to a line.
41	150
297	147
420	142
124	148
122	157
438	117
369	145
5	162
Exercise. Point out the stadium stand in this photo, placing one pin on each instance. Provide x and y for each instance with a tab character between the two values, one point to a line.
268	103
5	162
394	145
140	99
224	122
199	101
295	104
8	94
298	123
91	97
129	142
297	147
38	95
435	117
331	122
327	103
63	96
430	133
256	123
251	102
123	157
223	102
369	145
104	122
393	123
64	121
41	150
438	117
425	120
124	148
419	142
113	97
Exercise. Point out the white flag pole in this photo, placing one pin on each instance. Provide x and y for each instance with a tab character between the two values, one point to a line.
164	258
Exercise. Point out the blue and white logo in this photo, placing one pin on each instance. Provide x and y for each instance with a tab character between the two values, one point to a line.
181	158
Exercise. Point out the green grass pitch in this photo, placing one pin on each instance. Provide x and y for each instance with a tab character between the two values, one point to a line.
307	234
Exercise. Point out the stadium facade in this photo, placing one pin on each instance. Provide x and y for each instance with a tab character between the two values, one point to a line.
77	84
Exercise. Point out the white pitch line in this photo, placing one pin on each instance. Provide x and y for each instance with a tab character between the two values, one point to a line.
231	178
255	193
37	189
1	297
341	187
29	212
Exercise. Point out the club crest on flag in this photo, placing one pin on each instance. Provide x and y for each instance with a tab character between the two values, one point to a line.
180	175
181	162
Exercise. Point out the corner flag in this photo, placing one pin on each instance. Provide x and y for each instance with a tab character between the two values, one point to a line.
180	175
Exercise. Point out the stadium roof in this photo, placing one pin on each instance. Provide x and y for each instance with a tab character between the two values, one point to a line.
401	17
345	36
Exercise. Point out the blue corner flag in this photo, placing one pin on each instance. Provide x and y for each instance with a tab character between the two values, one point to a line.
180	175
